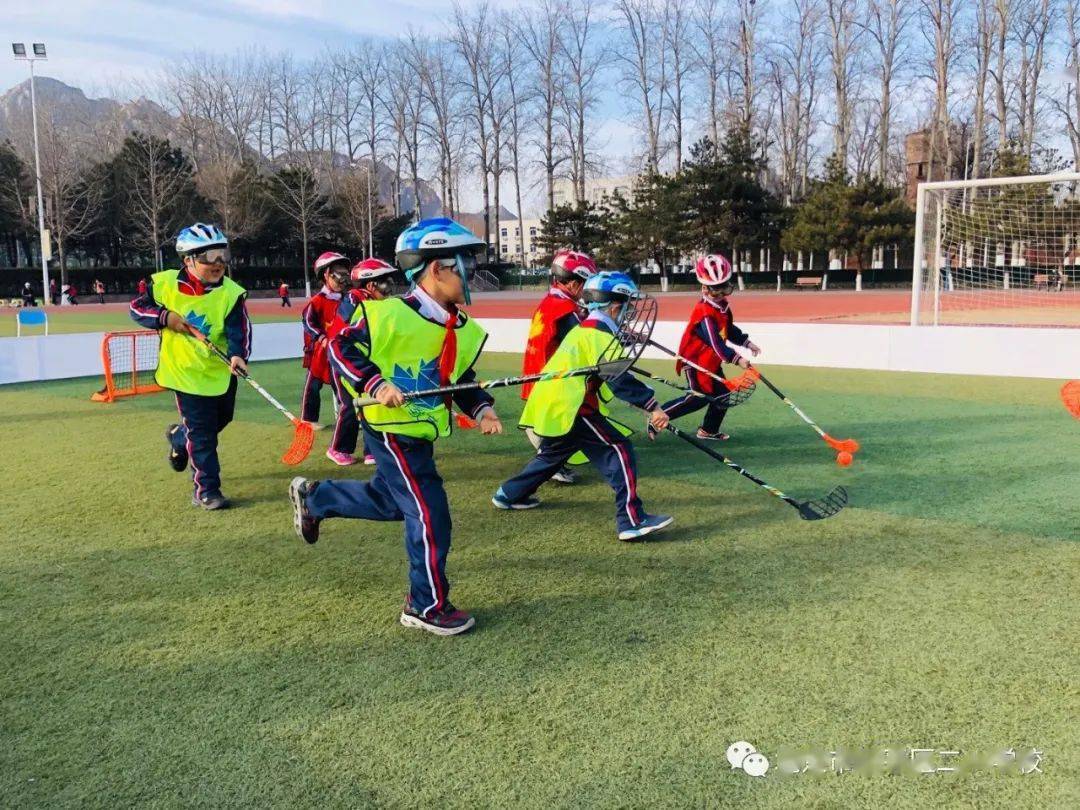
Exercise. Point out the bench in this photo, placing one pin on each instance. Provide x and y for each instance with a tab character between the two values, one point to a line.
808	281
1041	281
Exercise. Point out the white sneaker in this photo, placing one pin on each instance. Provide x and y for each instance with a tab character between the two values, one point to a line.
652	523
564	476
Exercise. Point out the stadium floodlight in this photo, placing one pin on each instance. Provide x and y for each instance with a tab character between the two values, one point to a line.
1002	251
19	49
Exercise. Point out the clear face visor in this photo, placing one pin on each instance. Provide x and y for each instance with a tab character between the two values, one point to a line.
465	265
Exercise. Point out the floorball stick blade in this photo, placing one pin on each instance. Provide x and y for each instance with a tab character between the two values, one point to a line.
1070	396
825	507
303	439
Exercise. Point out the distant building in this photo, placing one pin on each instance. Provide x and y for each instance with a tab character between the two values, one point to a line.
509	233
917	159
596	189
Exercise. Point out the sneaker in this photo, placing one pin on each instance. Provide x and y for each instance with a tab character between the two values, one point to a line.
210	501
502	502
565	476
341	459
178	459
307	527
652	523
719	436
369	460
447	622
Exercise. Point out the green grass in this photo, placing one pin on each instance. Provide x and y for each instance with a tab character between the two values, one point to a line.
156	655
89	318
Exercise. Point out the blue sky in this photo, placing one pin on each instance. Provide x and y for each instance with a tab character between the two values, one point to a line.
107	47
109	43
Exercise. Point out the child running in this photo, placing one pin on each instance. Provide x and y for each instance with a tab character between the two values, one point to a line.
371	281
200	297
422	340
570	414
557	313
705	342
317	316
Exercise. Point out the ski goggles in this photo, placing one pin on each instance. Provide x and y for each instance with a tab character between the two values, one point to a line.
214	256
727	288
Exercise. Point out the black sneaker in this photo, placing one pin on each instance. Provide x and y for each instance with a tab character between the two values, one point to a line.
178	460
210	501
500	501
307	527
447	622
719	436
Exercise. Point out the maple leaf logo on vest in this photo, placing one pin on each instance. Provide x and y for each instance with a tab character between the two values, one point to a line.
426	375
199	322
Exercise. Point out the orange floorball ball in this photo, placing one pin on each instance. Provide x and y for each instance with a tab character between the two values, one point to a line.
843	458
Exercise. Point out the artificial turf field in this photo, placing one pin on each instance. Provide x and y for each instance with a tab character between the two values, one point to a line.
153	654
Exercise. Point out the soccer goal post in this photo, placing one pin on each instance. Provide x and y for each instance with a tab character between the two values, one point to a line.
129	360
1002	251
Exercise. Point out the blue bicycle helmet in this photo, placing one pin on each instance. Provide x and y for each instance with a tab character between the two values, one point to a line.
608	287
438	238
200	237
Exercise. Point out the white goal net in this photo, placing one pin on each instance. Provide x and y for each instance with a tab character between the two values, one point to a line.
998	252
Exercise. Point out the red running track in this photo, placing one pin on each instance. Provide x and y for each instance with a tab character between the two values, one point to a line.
791	306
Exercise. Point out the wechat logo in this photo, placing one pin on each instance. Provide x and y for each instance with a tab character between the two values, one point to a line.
744	756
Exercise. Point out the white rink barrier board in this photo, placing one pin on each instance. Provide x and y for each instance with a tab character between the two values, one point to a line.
980	350
58	357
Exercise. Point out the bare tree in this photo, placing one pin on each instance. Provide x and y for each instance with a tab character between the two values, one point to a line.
1003	12
745	75
434	63
841	18
982	47
158	184
884	23
370	63
645	66
677	19
406	115
540	31
794	66
297	195
358	205
937	20
71	202
582	60
710	56
511	56
1068	103
1035	21
471	38
236	191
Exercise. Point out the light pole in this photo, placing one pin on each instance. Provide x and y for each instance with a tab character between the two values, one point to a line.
19	49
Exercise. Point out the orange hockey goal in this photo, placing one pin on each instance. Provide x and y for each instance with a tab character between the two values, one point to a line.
130	359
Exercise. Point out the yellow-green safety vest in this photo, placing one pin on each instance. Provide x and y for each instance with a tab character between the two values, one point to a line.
553	405
406	347
185	364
